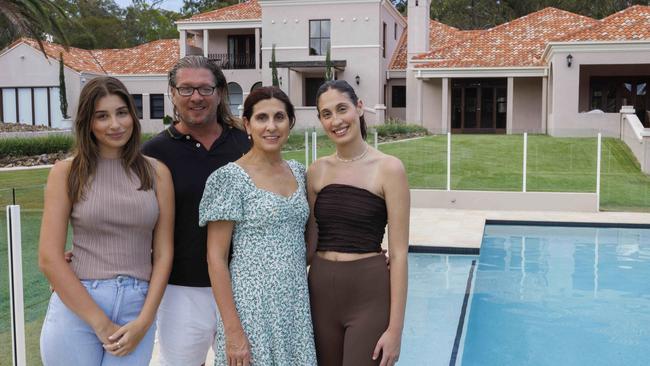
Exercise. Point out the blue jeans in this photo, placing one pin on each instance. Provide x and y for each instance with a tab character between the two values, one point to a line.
67	340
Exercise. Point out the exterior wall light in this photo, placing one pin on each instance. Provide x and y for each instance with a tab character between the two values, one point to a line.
569	60
357	79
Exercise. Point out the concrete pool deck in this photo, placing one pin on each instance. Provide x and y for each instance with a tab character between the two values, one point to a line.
464	229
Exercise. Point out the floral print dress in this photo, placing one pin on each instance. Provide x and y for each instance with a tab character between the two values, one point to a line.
268	266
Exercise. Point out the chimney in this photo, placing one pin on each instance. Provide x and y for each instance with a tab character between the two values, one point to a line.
418	26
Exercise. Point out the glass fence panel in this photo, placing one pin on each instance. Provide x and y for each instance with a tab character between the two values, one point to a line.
425	160
623	186
36	289
487	162
561	164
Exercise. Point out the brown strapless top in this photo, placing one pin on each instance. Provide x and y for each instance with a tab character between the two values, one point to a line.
350	219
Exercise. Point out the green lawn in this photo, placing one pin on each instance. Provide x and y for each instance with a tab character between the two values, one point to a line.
479	162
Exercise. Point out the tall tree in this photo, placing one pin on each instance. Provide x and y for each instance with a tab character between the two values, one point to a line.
63	99
31	18
329	75
191	7
100	23
274	69
145	22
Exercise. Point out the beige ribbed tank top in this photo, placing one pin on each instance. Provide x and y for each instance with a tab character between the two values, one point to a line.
112	227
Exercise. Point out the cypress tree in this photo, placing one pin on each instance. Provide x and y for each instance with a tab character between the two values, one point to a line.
62	95
274	69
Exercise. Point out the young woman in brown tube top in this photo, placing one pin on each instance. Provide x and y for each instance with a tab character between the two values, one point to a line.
357	303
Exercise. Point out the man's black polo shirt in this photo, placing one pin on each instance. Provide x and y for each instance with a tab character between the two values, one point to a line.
191	165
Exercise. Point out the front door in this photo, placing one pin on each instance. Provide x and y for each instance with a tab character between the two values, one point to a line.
311	88
478	106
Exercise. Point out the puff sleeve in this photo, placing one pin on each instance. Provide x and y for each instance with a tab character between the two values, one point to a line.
222	198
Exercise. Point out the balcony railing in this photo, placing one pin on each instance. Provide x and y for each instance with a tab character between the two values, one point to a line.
233	61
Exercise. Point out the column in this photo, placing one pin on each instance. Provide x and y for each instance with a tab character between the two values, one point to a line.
182	42
257	49
444	118
419	100
205	42
544	103
510	103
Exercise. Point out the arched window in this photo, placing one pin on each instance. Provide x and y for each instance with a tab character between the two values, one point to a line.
256	85
235	96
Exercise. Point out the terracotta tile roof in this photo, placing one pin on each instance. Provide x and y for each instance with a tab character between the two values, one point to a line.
77	59
632	23
155	57
440	35
249	10
519	43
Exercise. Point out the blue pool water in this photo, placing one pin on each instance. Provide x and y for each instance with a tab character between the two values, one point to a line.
559	296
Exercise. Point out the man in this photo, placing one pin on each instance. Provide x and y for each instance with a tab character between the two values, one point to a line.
204	138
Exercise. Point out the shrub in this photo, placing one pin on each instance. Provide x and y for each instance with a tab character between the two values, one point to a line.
392	128
25	146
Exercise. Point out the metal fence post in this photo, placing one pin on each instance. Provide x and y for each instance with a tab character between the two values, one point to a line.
314	148
449	161
525	156
599	154
16	300
306	149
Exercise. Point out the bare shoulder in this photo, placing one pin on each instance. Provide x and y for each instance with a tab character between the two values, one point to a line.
390	165
316	168
60	170
159	167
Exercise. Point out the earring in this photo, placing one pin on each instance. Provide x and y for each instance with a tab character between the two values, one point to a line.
249	137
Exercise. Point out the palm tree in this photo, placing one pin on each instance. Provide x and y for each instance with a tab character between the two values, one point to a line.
34	19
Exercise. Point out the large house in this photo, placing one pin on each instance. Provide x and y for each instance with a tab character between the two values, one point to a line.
551	71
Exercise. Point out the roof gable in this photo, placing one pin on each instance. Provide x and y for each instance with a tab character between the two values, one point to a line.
249	10
440	35
518	43
155	57
629	24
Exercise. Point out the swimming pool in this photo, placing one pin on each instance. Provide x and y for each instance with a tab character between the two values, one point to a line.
540	295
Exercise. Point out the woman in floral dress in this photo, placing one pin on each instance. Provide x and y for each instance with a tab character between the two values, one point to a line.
258	204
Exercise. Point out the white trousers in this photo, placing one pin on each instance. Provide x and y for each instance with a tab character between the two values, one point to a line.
187	323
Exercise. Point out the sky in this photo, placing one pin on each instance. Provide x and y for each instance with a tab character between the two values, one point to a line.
174	5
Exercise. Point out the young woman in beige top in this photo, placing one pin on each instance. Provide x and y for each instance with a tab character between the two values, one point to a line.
121	208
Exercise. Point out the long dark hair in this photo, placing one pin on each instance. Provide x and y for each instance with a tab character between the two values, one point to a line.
84	163
269	92
345	88
224	117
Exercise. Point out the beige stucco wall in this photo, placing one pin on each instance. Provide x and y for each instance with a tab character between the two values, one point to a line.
637	139
507	201
527	105
355	37
432	105
24	66
566	118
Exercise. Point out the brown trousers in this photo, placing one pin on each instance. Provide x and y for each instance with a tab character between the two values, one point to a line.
350	308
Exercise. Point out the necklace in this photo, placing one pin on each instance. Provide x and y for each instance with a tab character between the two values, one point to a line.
363	154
